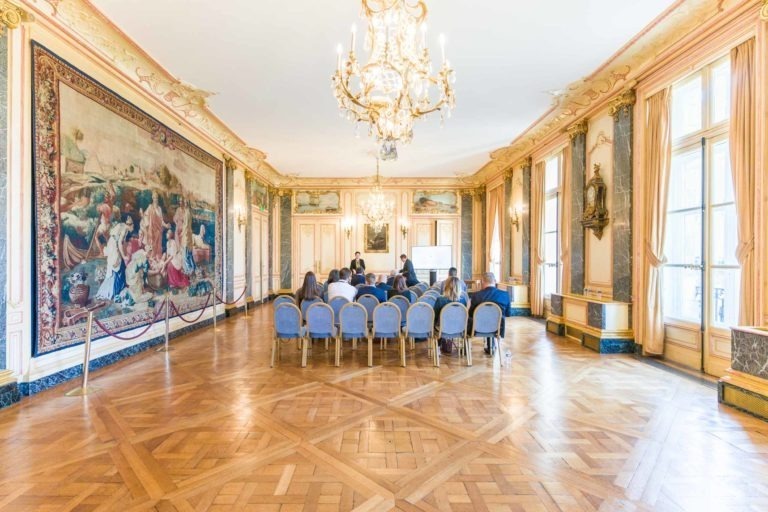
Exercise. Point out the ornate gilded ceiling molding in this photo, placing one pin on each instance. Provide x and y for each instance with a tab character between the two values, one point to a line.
229	163
85	23
526	162
619	72
623	102
579	128
11	16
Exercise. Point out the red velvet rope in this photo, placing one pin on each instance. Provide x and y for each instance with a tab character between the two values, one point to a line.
178	313
142	333
222	301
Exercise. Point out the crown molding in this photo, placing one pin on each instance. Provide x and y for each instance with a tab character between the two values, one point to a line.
623	102
614	77
82	21
579	128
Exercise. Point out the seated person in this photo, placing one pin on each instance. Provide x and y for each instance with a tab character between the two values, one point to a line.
450	294
342	288
452	272
383	284
490	293
398	287
358	277
391	278
309	290
333	276
369	288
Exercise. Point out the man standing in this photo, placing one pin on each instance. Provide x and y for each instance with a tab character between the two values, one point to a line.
342	288
408	271
357	263
490	293
370	289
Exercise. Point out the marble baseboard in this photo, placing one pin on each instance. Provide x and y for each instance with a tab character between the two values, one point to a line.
607	345
749	351
556	328
9	395
53	380
744	392
521	311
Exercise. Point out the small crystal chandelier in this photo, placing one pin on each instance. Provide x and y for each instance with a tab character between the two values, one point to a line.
396	86
377	210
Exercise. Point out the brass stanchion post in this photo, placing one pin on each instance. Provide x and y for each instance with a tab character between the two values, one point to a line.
166	347
215	313
84	389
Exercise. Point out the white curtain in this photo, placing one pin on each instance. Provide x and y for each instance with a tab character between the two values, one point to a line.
565	228
742	145
658	154
537	239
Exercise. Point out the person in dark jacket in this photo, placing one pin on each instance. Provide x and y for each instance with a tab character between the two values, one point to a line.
408	271
370	289
383	284
490	293
357	263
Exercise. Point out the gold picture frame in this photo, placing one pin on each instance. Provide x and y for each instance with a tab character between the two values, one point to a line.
376	242
435	202
317	202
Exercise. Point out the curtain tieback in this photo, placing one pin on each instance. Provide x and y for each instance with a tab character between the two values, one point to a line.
745	249
652	258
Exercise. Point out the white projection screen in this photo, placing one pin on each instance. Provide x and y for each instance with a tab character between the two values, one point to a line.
432	257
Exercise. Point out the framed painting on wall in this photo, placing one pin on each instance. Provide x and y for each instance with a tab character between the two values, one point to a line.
435	202
259	195
126	210
317	202
376	241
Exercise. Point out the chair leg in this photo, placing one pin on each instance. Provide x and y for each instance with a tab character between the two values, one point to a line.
338	350
370	351
304	353
274	349
326	344
354	343
402	351
436	351
468	344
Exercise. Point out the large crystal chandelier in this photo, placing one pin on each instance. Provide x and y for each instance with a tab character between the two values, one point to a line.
396	86
377	209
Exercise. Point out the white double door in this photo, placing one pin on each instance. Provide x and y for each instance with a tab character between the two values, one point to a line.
259	255
317	248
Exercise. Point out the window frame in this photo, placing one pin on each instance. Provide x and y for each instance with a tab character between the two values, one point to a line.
549	194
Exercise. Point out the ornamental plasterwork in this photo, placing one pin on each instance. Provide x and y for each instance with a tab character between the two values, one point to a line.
764	11
602	140
617	74
88	25
11	16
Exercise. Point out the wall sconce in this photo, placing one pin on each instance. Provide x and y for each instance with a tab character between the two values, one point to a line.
346	225
239	218
515	214
404	228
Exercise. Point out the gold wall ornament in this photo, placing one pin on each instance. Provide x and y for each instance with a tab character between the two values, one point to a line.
579	128
623	103
12	16
229	163
764	11
595	216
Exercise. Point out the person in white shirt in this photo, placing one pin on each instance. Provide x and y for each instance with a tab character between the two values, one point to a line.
342	288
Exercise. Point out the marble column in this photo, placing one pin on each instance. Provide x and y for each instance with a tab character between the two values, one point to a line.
506	259
3	193
285	242
578	136
230	230
467	205
482	196
248	231
526	221
272	198
621	216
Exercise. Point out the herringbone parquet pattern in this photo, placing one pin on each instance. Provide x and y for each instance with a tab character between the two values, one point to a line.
210	427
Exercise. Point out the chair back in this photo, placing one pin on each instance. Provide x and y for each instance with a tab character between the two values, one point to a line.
282	299
486	320
453	320
305	304
401	303
336	304
420	320
410	296
386	321
287	319
369	302
433	292
427	299
353	321
424	287
320	320
417	290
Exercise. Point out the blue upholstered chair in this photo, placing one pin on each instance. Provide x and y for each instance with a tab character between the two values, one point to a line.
319	326
369	302
486	323
408	294
336	304
305	304
428	299
420	323
386	326
353	324
417	290
282	299
287	320
453	326
403	304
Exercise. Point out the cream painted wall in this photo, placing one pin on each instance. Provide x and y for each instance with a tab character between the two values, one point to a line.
239	208
599	253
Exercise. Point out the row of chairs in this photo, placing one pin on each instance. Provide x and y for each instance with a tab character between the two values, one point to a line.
353	322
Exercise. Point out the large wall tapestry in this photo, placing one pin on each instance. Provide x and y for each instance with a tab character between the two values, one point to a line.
126	210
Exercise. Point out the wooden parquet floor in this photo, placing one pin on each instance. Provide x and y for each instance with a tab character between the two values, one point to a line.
211	427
